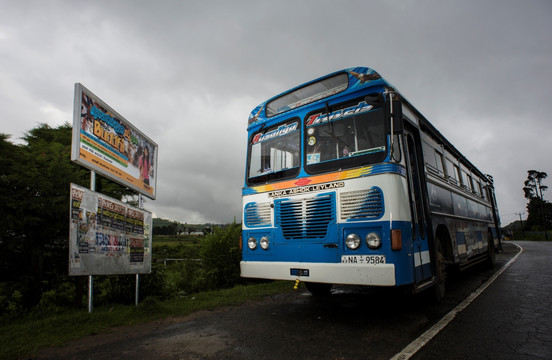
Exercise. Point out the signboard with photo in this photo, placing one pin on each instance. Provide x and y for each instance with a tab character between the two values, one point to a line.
107	143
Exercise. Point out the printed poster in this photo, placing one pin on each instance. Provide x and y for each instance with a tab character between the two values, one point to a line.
107	236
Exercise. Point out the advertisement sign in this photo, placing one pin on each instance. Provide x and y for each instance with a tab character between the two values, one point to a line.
107	236
107	143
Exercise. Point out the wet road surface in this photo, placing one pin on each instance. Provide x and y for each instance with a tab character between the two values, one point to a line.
352	323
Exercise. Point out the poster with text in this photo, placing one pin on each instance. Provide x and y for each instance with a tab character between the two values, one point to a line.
106	142
107	236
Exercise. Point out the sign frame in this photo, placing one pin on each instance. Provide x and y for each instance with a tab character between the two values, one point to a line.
105	142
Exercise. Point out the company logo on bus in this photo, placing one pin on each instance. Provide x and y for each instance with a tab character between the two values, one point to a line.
280	131
321	118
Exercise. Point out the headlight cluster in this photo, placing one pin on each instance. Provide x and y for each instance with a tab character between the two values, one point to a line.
373	241
252	243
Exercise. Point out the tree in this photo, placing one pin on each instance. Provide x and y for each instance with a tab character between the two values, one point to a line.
533	185
539	210
34	208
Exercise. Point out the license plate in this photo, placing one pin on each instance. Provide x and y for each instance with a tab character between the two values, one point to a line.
363	259
299	272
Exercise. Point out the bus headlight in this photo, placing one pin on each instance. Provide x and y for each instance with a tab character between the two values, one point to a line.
252	243
264	243
352	241
373	240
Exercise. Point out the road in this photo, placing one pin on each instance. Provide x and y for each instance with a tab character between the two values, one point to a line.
511	319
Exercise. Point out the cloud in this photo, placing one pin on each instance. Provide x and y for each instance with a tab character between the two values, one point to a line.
188	74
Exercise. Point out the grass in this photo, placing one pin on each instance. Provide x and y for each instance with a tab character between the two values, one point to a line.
55	327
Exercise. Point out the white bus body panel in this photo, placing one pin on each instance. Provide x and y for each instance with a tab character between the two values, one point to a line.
332	273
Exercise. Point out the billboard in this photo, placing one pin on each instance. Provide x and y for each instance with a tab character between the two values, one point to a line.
107	236
107	143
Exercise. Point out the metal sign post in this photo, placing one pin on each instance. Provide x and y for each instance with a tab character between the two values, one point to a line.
137	293
90	279
137	288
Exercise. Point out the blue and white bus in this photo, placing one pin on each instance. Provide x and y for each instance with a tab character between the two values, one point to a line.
347	183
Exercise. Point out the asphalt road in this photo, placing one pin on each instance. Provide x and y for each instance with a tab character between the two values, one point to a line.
511	319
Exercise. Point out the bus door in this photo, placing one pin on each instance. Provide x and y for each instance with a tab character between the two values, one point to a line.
416	181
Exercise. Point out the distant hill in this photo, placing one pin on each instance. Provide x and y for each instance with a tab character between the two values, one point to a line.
162	222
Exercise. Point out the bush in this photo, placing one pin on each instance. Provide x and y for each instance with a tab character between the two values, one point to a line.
220	257
61	296
183	277
11	300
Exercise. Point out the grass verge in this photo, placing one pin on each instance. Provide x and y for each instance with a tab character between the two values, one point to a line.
24	336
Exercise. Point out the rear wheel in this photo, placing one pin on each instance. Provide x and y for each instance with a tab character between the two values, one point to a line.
440	273
491	251
319	289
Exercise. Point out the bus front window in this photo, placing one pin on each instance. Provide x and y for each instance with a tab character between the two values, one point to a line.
345	142
274	153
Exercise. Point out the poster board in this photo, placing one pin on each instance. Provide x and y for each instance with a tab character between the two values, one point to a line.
107	236
107	143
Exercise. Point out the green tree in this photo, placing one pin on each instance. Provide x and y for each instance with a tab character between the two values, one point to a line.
35	180
539	211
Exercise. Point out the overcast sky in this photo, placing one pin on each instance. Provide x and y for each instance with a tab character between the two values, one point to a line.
188	73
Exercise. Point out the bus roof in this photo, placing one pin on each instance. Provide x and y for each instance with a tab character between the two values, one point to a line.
340	82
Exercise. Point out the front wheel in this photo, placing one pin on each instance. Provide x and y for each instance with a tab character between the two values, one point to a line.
319	289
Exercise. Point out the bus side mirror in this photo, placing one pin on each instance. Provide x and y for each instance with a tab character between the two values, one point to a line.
374	99
397	117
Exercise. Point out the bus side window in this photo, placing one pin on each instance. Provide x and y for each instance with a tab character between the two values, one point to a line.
453	172
466	179
480	187
433	159
476	186
470	183
429	156
439	160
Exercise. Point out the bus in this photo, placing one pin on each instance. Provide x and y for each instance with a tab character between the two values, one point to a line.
347	183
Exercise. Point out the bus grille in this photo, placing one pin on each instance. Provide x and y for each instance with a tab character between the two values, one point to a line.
257	215
306	218
362	204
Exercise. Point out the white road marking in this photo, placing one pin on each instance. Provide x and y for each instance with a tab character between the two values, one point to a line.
423	339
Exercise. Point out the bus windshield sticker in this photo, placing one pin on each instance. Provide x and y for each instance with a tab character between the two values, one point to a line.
321	118
313	158
280	131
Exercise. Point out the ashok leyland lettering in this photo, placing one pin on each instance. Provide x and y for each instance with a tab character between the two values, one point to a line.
347	183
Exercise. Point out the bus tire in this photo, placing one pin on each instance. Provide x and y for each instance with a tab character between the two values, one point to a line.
491	251
319	289
439	288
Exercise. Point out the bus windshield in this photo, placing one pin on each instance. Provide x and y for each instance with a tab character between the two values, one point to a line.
347	141
274	153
